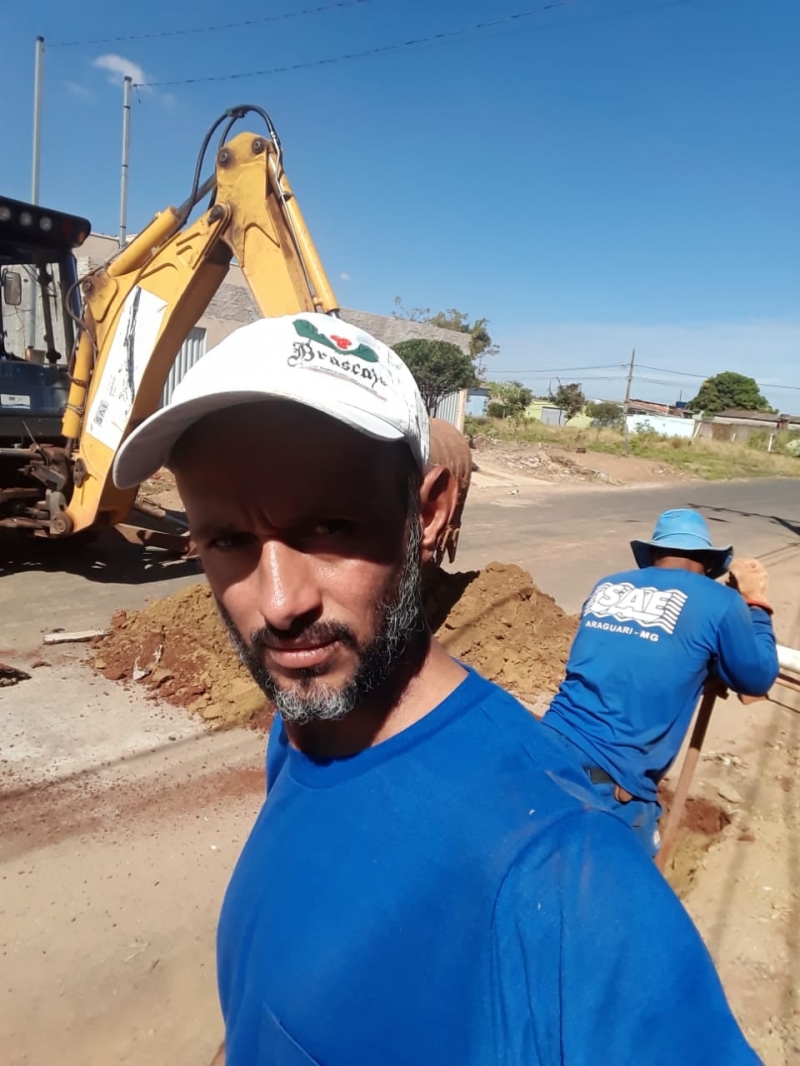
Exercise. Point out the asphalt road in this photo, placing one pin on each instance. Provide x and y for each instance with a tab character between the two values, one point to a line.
123	819
567	538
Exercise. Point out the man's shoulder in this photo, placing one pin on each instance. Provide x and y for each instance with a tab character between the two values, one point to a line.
518	752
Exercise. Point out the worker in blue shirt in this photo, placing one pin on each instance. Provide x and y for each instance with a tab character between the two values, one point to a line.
649	639
430	881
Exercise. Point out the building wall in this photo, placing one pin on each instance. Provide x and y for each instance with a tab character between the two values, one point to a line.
393	331
552	416
192	351
545	412
664	425
452	408
733	431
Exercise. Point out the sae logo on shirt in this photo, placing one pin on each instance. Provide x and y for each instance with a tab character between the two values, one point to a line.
649	607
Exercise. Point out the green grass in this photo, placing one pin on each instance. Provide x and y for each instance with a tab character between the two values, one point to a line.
708	459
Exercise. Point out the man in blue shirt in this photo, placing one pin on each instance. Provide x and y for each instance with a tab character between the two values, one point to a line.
648	641
430	881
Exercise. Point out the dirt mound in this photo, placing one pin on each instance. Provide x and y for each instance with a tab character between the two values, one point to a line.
701	824
179	648
537	460
494	619
498	621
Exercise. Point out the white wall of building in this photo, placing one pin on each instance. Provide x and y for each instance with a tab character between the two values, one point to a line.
663	425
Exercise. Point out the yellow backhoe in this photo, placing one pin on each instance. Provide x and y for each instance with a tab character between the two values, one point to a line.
62	423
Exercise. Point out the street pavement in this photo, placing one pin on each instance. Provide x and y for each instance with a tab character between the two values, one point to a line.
123	819
568	539
565	537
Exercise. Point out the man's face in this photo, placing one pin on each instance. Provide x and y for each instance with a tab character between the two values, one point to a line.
304	531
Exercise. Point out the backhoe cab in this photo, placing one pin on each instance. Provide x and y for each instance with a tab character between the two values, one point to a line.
38	300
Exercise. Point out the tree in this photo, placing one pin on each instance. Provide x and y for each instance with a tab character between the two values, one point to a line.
605	414
569	398
729	391
508	398
480	343
439	368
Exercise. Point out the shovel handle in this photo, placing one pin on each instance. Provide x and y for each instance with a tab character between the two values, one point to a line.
685	780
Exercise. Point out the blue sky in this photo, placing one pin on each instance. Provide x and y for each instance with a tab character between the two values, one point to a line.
599	175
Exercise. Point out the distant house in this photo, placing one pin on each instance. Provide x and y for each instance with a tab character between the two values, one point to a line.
757	418
663	425
645	407
734	425
546	412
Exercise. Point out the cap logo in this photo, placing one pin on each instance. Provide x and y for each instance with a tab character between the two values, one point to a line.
309	331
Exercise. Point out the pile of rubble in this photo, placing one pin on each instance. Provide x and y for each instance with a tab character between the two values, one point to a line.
535	460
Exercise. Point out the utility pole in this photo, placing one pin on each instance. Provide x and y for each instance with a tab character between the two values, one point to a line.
126	144
627	401
37	117
38	64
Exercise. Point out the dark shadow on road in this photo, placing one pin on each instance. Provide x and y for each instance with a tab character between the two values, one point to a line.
105	557
713	514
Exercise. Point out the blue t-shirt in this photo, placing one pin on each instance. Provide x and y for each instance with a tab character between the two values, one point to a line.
449	897
645	646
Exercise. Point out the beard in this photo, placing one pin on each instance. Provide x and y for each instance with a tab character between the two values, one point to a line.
400	617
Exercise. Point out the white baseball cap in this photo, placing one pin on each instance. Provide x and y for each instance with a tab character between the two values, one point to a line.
312	359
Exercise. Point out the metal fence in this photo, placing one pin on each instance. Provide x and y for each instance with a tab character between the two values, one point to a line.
451	408
192	351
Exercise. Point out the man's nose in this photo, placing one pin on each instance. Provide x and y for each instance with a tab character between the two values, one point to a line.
287	586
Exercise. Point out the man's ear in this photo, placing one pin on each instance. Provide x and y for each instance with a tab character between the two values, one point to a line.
438	498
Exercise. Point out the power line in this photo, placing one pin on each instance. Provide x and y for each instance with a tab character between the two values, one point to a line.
283	16
414	42
668	370
685	373
566	369
619	376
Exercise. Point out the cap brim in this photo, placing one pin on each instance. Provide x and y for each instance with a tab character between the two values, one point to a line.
643	555
150	445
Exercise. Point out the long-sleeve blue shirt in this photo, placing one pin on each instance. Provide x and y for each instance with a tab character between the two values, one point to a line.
450	897
646	643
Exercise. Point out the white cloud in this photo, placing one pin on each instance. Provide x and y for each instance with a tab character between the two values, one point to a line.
344	277
119	67
766	349
77	90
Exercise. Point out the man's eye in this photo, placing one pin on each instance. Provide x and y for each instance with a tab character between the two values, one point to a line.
330	527
230	542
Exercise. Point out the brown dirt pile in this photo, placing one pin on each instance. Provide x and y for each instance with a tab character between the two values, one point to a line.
701	824
494	619
498	621
179	648
537	460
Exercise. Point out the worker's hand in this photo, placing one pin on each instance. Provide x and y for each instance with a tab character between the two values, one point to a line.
750	578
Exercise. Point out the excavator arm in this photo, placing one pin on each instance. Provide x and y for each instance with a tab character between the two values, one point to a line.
139	308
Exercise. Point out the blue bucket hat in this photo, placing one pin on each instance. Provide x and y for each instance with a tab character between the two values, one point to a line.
686	531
